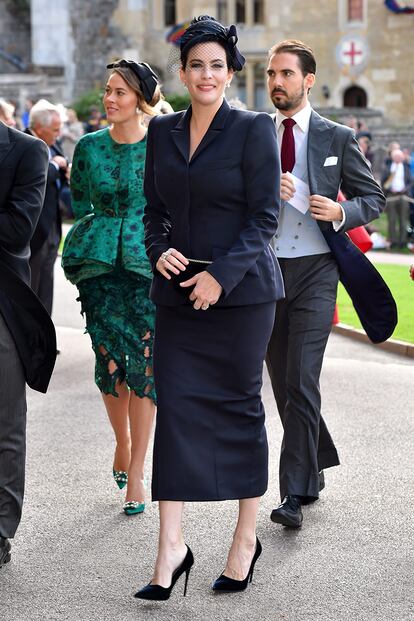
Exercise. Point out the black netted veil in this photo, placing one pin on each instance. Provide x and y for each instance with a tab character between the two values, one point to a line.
205	29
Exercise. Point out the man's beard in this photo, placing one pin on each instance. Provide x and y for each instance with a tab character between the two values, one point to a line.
288	103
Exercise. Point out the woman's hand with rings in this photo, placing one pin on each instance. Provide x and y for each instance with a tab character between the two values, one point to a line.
171	261
206	290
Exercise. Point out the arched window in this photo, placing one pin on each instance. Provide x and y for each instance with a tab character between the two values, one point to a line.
355	97
169	12
355	10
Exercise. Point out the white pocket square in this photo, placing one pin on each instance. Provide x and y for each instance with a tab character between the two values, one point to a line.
331	161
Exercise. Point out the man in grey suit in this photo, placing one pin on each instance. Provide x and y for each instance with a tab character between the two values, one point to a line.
318	157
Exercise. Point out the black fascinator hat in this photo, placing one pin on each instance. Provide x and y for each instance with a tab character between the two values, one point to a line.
204	29
148	80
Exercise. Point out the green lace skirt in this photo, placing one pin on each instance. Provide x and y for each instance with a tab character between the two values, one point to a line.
120	321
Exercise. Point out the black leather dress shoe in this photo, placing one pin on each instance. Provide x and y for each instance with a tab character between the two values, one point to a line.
5	554
289	512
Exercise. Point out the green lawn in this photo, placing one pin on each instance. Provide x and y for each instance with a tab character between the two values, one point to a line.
402	287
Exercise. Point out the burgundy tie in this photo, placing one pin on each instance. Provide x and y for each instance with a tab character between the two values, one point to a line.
288	146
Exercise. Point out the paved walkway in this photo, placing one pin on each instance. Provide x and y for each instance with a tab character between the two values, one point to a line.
77	557
377	256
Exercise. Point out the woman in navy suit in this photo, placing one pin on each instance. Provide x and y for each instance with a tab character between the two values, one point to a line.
211	183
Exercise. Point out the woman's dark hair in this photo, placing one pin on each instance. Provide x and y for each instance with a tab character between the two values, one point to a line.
206	29
304	53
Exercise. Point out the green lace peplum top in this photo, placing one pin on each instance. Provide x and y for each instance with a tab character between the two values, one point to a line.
108	204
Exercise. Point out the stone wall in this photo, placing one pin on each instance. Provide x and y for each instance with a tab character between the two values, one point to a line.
96	39
14	33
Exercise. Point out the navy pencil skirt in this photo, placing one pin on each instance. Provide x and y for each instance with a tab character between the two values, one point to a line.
210	436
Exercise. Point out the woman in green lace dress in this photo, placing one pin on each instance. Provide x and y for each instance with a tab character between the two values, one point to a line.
104	256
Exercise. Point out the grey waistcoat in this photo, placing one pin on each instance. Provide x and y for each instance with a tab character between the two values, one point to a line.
298	234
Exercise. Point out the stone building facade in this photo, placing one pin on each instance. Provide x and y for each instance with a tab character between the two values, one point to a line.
15	40
364	51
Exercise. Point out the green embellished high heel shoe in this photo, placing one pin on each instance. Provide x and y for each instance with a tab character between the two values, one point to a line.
132	508
121	477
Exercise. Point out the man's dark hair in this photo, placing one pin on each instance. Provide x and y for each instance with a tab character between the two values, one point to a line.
304	53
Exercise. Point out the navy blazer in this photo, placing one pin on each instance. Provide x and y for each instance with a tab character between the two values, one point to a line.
221	206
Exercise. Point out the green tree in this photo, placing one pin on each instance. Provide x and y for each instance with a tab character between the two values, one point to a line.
83	104
178	101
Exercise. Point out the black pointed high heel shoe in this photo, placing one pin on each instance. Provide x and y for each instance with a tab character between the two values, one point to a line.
158	593
228	585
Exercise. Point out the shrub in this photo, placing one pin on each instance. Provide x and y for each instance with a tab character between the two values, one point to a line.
84	103
178	101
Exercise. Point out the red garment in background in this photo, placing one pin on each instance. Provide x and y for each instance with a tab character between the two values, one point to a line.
359	235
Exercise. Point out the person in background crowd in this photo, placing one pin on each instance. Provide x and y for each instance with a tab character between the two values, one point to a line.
396	182
45	123
95	121
362	130
26	113
364	144
7	113
392	146
72	130
104	256
411	161
27	336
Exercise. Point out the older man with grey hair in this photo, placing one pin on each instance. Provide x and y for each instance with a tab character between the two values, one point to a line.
45	123
7	113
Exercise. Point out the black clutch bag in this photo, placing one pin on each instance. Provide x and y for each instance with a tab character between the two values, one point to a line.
195	266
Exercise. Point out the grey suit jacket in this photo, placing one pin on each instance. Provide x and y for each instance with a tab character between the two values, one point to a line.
351	173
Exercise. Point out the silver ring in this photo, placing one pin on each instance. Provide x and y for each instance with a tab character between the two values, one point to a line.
166	254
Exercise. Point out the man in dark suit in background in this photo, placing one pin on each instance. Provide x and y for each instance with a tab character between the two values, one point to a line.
318	157
27	337
45	123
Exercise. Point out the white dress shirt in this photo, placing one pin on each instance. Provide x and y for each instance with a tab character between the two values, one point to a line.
300	131
398	179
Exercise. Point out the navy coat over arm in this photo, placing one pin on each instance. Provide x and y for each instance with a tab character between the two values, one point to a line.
370	295
222	206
